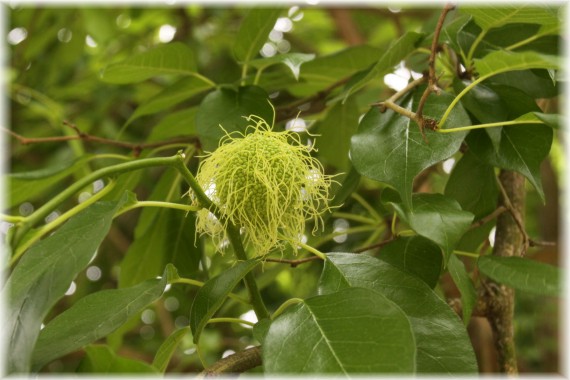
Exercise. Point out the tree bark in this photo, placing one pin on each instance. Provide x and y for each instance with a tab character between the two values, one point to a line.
499	298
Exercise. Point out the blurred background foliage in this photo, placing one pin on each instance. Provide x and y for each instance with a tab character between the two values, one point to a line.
56	56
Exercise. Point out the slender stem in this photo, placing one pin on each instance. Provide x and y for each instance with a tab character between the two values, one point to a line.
489	125
474	47
467	254
59	220
458	98
258	75
243	74
347	231
233	235
251	285
366	205
498	211
524	42
413	84
393	224
314	251
12	218
401	110
231	320
354	217
189	281
293	263
407	233
52	204
285	305
177	206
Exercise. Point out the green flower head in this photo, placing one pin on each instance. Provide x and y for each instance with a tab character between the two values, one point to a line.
264	182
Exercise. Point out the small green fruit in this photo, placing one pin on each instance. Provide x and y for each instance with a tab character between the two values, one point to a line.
264	182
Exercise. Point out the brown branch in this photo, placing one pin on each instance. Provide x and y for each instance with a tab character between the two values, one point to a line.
516	217
293	263
509	238
498	211
432	79
480	309
375	245
135	147
236	363
345	26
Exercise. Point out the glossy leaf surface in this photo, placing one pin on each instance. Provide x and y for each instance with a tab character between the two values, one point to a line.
351	331
522	274
438	331
389	147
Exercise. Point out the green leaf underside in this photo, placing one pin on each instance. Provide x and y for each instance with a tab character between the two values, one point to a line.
162	236
501	61
226	108
175	124
472	183
415	255
44	274
392	56
522	149
101	359
389	147
93	317
253	32
293	61
464	285
212	295
522	274
168	347
335	131
170	96
354	330
441	340
27	186
493	17
437	218
173	58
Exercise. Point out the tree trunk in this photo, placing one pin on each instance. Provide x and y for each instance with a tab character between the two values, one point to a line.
499	298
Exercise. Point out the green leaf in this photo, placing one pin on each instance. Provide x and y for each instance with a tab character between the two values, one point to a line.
101	359
99	24
397	51
416	256
212	295
351	331
28	186
443	345
167	348
94	317
473	184
253	33
464	284
260	329
335	131
162	236
486	105
389	148
44	273
175	124
437	218
328	69
522	274
535	83
495	16
226	108
170	96
551	120
291	60
522	149
502	61
173	58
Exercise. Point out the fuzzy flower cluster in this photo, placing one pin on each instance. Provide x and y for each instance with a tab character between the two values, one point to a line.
264	182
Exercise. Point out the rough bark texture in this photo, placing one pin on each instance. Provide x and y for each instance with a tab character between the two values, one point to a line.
499	298
235	364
